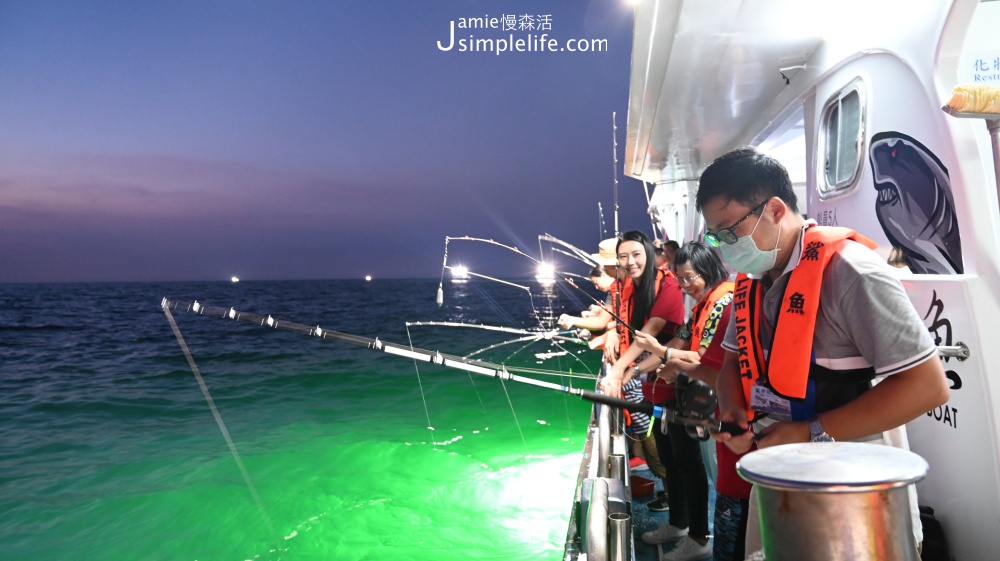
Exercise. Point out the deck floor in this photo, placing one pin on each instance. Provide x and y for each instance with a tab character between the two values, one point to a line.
644	520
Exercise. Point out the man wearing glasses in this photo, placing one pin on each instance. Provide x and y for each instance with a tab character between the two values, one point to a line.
817	316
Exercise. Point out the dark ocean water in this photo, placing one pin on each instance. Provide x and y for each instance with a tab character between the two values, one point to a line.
108	449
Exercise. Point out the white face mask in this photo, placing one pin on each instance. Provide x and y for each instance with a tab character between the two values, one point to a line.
745	257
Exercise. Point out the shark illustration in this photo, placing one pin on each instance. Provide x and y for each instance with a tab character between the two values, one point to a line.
915	205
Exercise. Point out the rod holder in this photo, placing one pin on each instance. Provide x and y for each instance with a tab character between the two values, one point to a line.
829	501
619	536
616	467
604	440
597	521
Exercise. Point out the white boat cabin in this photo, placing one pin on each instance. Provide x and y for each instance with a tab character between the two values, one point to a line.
849	95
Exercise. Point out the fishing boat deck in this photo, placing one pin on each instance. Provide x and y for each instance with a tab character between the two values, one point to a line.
644	520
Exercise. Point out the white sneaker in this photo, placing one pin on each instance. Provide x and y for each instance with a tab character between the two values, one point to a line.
665	533
688	550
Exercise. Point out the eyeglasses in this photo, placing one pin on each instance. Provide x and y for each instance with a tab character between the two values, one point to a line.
684	281
728	235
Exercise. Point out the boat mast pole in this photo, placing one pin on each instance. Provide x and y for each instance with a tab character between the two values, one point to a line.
601	230
614	158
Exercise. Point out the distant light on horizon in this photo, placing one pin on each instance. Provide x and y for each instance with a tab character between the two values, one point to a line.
235	279
368	278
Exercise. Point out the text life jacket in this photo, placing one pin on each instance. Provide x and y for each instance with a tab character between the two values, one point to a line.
701	311
788	367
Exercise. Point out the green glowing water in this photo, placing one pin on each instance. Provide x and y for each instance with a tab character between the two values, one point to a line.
108	450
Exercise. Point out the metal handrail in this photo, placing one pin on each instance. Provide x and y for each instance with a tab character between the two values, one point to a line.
959	351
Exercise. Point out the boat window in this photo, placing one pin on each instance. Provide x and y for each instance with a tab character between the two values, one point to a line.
842	139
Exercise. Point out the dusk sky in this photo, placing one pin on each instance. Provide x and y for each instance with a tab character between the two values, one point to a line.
170	140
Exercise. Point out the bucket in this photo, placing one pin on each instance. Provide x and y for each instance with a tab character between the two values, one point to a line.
641	486
829	501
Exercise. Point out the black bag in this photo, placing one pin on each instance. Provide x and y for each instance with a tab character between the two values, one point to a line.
935	546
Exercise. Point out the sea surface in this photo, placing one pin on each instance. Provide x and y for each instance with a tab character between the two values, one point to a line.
110	451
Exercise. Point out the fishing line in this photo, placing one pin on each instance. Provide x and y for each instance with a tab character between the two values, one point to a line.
475	389
482	404
517	423
493	304
219	421
430	426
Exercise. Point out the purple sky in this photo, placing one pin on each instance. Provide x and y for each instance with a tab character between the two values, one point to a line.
144	141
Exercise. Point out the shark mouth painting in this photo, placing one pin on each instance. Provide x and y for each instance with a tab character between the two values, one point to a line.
915	205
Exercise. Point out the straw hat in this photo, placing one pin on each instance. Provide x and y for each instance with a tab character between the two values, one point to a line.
607	253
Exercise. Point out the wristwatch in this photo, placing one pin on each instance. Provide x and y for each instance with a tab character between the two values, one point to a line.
817	433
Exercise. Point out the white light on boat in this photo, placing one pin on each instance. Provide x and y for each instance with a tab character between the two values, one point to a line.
368	278
235	279
545	274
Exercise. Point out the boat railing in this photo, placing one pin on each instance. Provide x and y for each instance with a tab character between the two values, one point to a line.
600	523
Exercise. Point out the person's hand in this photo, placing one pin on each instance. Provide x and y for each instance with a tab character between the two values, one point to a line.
741	443
667	374
566	321
612	384
611	346
783	433
684	361
647	342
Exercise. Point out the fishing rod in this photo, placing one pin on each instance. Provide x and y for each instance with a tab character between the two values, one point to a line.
452	361
444	265
447	239
577	254
470	273
568	254
516	331
568	335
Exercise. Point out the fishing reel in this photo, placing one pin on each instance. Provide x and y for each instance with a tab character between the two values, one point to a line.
695	400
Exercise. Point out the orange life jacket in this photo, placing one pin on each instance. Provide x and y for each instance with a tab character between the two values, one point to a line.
786	370
701	311
666	270
624	308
